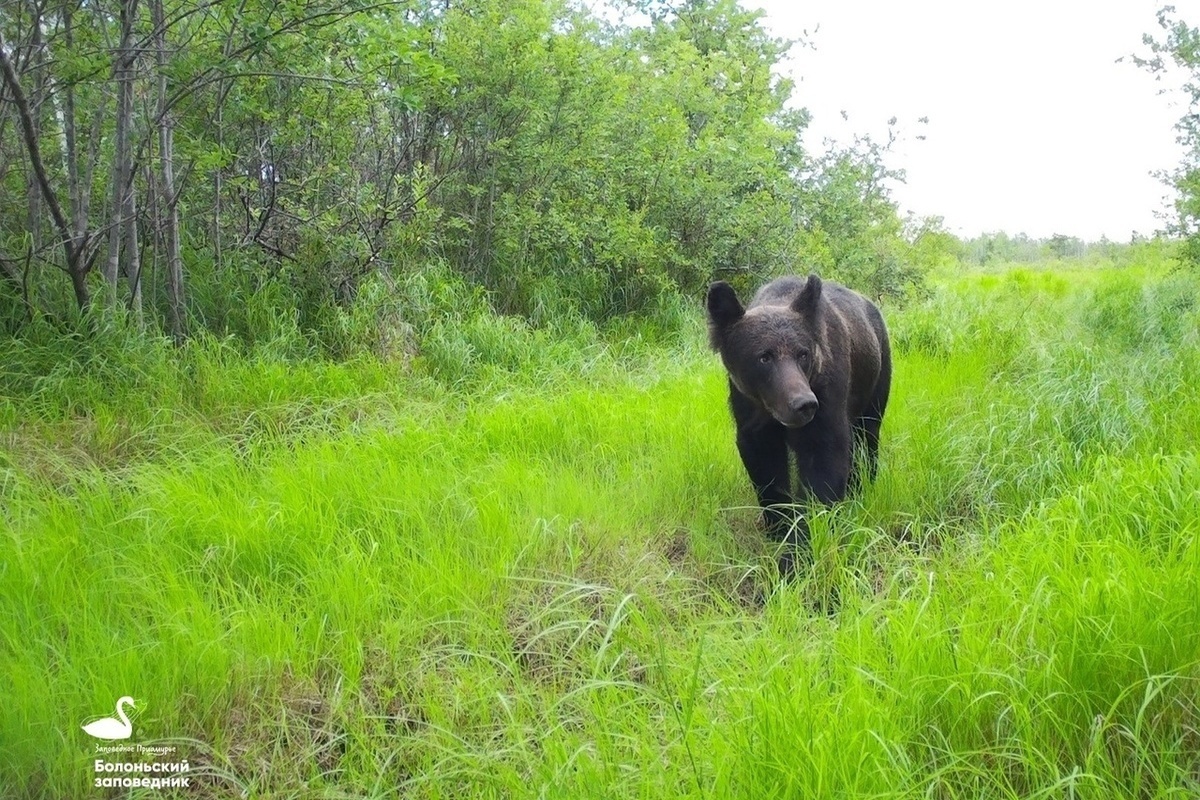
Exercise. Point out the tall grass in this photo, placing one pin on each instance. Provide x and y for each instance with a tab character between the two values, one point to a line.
534	571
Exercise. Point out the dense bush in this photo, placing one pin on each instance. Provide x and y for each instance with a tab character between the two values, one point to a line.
530	156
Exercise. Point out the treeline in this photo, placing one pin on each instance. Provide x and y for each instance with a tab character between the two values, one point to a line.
219	165
1002	248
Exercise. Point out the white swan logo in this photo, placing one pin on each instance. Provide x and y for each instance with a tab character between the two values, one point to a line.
111	727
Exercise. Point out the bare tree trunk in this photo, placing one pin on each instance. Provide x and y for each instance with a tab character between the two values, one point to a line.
37	60
79	187
74	187
218	263
122	183
167	196
133	266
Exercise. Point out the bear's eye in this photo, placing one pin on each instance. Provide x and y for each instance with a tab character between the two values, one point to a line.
765	358
803	356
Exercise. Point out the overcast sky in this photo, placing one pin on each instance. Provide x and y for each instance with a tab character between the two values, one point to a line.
1033	126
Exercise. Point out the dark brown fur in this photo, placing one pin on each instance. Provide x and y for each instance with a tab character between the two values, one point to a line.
809	372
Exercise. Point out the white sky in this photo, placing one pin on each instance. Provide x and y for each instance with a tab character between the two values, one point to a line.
1032	127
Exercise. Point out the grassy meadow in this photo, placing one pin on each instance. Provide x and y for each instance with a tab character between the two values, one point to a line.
516	567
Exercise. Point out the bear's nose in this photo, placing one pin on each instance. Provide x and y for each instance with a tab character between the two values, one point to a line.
803	406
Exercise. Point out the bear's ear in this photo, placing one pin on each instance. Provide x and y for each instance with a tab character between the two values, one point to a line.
724	309
808	302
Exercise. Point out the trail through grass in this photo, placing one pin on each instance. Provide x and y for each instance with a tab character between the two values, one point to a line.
324	580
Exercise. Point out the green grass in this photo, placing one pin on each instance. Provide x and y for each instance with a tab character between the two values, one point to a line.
543	579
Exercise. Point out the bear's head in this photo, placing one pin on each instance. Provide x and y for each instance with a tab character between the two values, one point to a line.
772	352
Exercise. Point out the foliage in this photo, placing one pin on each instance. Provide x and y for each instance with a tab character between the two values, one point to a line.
932	246
851	227
1179	51
565	166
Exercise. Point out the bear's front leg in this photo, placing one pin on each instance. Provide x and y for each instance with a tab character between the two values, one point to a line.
764	453
823	459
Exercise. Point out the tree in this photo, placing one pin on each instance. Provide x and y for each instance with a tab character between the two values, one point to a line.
1180	49
73	235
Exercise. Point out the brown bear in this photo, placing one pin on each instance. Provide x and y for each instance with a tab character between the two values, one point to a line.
809	370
